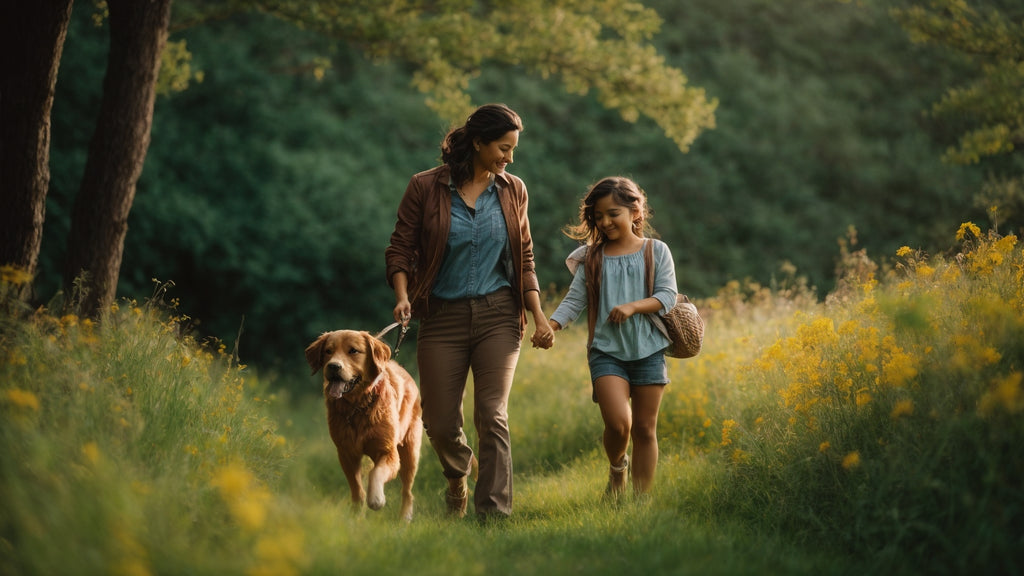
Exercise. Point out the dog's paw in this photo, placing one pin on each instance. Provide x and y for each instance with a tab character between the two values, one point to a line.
375	499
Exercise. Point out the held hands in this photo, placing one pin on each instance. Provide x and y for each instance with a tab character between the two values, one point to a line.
544	336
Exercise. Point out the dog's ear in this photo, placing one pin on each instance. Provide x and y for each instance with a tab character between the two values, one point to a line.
381	352
315	353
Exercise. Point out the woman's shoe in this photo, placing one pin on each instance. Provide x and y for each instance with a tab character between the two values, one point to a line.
457	497
617	477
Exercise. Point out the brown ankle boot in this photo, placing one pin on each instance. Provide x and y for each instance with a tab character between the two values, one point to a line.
457	497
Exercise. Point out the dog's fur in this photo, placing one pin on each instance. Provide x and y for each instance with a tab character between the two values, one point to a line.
373	409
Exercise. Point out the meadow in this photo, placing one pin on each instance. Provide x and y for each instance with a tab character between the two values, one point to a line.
874	430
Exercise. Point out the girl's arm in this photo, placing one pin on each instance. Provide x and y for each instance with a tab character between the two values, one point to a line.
621	312
572	304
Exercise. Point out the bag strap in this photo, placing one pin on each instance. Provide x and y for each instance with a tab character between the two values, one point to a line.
592	269
649	266
654	317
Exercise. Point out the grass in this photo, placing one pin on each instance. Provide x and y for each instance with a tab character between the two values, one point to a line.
874	432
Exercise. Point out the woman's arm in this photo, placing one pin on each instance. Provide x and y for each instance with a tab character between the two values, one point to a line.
543	335
403	308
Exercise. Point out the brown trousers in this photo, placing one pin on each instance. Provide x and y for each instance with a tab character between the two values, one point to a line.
483	335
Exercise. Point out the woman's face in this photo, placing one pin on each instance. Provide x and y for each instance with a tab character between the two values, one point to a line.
495	156
612	219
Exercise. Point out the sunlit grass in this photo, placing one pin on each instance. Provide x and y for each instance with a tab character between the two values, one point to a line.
877	431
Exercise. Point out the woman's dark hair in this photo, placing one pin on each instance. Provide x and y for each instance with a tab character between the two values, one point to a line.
487	124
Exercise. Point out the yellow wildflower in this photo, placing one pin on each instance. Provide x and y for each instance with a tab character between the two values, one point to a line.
1005	394
899	368
851	460
990	355
904	251
23	399
17	358
968	228
863	397
902	408
727	428
91	452
243	494
824	446
14	275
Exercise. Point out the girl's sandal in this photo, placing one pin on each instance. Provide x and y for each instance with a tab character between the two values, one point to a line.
617	476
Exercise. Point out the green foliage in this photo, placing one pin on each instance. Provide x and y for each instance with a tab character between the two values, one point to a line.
176	69
589	44
990	35
268	195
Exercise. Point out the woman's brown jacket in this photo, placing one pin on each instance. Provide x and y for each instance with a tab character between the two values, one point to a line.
421	235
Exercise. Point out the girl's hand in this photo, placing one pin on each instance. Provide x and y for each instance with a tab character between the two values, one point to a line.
620	313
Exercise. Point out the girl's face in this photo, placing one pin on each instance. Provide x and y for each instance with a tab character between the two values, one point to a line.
613	220
495	156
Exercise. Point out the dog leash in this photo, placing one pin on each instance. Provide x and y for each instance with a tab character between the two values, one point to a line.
401	336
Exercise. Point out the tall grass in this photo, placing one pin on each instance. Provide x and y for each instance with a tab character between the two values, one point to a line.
127	447
875	432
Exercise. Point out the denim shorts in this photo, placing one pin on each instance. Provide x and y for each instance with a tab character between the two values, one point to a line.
643	372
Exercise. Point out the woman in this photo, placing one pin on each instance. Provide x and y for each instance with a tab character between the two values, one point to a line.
461	261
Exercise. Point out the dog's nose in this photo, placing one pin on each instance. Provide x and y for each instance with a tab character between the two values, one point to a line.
332	369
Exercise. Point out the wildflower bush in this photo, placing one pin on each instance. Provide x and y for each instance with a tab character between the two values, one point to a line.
887	421
127	445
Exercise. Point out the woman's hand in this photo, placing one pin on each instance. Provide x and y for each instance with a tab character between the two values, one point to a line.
543	337
403	312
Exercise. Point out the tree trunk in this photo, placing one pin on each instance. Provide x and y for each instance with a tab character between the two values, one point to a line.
31	40
99	222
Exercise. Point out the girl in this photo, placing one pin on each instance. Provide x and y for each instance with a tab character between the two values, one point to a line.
625	350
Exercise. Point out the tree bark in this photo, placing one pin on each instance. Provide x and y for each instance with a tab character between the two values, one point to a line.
99	221
31	40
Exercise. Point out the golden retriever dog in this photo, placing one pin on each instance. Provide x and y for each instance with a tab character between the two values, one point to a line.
373	410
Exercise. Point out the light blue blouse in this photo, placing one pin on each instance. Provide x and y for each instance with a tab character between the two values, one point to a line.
622	281
474	260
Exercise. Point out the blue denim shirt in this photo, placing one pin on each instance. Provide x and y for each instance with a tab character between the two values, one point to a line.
475	257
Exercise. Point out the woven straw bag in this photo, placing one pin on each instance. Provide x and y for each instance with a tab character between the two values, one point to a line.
682	324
